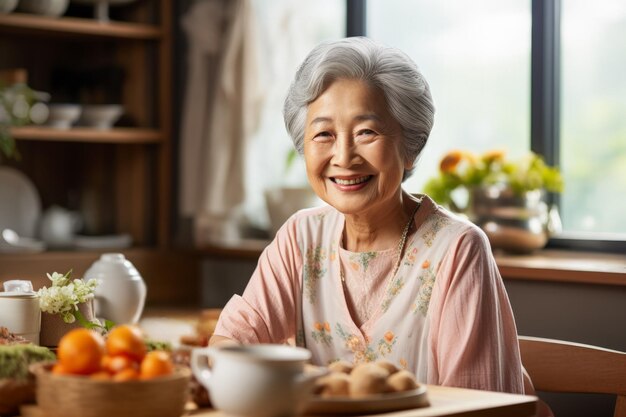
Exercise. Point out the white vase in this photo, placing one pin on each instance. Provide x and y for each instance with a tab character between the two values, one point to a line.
121	292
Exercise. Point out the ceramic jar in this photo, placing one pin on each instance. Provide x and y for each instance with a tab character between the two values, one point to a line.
19	310
121	292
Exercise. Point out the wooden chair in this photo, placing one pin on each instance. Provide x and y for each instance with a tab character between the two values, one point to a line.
559	366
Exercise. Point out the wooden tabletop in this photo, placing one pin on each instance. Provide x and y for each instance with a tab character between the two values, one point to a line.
449	402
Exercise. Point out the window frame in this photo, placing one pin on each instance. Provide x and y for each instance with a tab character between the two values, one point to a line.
545	99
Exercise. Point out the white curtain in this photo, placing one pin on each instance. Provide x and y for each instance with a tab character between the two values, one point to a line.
218	119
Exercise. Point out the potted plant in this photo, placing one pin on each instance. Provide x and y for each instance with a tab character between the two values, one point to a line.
65	305
506	198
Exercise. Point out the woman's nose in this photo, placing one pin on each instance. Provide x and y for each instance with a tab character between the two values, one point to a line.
345	154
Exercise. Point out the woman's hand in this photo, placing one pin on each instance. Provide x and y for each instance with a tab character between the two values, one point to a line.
221	341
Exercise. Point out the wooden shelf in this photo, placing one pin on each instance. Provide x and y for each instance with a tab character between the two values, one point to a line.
84	134
72	25
172	276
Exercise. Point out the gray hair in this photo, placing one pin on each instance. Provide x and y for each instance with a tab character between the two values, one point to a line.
391	70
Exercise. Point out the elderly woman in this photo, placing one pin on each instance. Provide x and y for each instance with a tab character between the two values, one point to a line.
377	273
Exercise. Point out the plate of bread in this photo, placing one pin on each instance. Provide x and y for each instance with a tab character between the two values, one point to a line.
366	388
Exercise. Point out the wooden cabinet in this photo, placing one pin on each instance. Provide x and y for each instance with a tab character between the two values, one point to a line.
119	179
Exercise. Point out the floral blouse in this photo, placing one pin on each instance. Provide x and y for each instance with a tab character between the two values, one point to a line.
444	315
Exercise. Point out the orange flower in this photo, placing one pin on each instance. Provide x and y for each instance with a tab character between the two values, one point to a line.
450	161
326	326
318	326
426	264
389	336
353	342
493	156
354	266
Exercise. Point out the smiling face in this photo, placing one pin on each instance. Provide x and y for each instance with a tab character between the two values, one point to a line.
353	149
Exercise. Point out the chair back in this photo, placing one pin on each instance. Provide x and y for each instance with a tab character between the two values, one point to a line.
560	366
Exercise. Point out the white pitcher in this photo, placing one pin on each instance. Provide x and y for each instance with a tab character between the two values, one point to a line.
121	292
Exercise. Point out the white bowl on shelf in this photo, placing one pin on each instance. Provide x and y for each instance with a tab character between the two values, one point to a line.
63	116
101	7
53	8
101	116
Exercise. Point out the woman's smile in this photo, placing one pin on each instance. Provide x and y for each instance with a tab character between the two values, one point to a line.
351	183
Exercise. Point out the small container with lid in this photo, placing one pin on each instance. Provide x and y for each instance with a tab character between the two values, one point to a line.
19	310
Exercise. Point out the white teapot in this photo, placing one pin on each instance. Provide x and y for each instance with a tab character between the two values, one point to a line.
256	380
121	292
58	226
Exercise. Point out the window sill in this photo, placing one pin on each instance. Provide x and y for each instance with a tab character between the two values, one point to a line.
546	265
565	266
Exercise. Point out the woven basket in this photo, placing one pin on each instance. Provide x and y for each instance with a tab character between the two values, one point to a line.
76	396
15	393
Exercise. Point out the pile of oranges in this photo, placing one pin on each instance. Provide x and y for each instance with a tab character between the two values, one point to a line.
122	356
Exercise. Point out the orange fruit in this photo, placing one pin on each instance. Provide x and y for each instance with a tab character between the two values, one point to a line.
80	351
126	340
156	363
118	363
129	374
59	369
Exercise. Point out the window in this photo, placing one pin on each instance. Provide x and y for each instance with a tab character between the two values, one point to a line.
593	116
477	64
483	60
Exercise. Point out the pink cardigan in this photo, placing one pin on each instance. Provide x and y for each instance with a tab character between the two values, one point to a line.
446	314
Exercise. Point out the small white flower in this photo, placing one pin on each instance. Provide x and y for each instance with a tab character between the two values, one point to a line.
64	295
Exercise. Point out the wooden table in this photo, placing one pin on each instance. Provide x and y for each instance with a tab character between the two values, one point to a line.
449	402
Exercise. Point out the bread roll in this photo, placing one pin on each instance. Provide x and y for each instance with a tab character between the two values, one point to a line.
367	379
383	363
402	381
341	366
335	384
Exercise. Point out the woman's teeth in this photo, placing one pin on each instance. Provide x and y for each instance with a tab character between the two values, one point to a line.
353	181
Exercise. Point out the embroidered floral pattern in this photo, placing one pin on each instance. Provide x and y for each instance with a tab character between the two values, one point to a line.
437	223
321	333
427	278
410	255
313	271
385	345
361	351
362	259
403	363
393	289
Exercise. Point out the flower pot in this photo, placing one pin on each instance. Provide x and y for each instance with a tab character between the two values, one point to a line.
282	202
53	327
517	223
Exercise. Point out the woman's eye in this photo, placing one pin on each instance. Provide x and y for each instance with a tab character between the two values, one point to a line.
322	136
366	132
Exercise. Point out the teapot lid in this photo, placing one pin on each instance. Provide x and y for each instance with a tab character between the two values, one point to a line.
18	288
